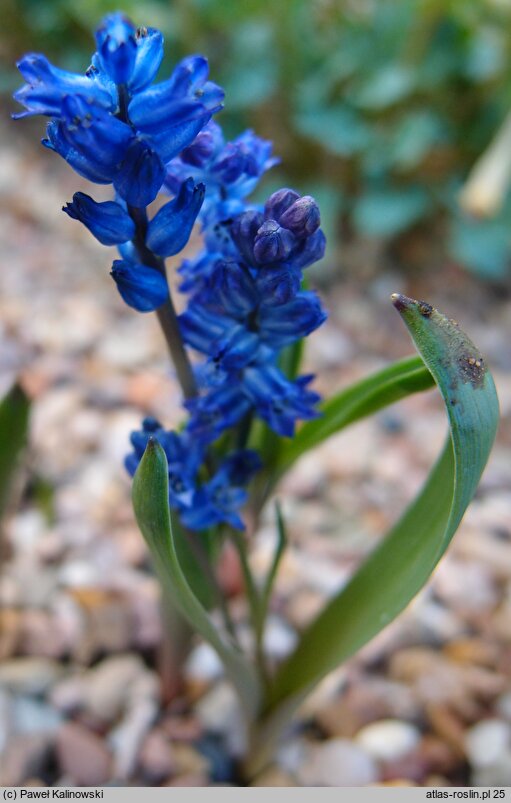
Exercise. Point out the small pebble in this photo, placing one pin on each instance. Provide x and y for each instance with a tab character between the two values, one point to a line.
83	756
31	676
156	757
487	742
388	739
338	762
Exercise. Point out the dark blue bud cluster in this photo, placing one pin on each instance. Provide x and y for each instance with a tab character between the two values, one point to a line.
245	302
246	306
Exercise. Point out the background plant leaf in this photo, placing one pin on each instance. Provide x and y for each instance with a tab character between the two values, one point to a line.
14	412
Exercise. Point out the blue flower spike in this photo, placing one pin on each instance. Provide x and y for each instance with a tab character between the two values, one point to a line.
245	302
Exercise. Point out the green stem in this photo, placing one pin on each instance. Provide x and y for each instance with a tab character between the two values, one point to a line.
256	608
166	313
209	576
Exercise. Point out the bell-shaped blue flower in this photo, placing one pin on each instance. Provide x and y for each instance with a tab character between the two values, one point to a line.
230	170
107	221
220	499
278	401
47	86
141	287
310	249
140	175
148	58
86	166
276	286
215	502
184	97
280	326
218	410
239	467
139	441
198	154
117	47
235	289
170	229
200	328
88	129
237	348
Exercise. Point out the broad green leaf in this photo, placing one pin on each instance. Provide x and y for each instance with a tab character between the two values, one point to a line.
14	410
151	506
398	568
358	401
387	212
338	129
192	556
416	135
483	246
388	85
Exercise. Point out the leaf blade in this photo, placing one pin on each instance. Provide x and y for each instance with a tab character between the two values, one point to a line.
151	506
397	569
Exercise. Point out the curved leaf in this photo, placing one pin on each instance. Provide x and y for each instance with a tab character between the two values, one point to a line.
151	506
398	568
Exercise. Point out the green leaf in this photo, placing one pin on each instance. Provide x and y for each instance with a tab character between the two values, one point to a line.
192	558
151	506
274	567
398	568
358	401
416	135
387	212
338	129
483	246
387	86
14	410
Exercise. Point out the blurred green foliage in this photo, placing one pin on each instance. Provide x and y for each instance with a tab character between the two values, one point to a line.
382	105
14	411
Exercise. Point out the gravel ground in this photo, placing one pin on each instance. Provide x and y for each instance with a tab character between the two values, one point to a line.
427	702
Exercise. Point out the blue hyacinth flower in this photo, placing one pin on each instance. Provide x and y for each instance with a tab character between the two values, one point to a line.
117	47
278	401
47	86
140	174
89	111
107	221
141	287
170	229
229	170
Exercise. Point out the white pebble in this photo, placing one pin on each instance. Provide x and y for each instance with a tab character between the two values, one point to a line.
338	762
388	739
203	664
486	742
